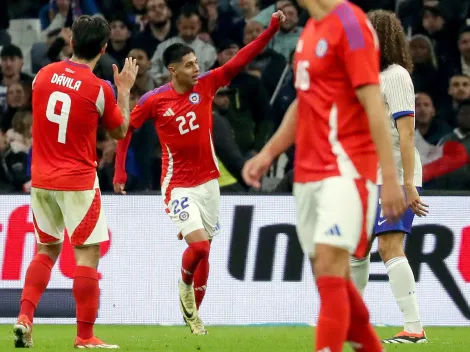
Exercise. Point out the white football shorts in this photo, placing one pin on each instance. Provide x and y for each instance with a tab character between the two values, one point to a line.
336	211
79	212
196	208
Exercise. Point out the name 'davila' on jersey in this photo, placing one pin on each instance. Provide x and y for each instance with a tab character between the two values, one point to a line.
65	81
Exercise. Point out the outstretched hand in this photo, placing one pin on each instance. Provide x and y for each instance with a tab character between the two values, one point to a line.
126	78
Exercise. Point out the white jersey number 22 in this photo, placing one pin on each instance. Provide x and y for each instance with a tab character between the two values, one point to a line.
62	118
191	116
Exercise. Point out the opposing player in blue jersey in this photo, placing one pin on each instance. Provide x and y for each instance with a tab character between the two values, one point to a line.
398	92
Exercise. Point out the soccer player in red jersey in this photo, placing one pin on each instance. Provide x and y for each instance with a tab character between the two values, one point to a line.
335	121
69	102
182	113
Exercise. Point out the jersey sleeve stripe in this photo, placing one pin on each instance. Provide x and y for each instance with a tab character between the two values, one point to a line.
351	26
399	114
147	95
112	89
100	102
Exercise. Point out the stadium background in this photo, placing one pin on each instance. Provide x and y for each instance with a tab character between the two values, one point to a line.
257	254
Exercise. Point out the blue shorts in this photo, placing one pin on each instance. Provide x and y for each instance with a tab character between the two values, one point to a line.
403	225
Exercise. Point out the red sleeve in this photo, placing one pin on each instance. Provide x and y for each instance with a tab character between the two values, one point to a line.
143	110
110	113
359	49
222	76
120	175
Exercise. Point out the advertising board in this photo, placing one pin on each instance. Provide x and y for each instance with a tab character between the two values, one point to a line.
258	272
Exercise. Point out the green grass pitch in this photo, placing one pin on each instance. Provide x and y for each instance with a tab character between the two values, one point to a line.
55	338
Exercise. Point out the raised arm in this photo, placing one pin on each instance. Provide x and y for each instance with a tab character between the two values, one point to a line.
120	175
234	66
124	82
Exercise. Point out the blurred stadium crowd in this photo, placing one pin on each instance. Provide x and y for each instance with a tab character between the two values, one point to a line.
34	33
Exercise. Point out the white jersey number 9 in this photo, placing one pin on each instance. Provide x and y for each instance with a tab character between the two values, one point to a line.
302	78
62	118
192	125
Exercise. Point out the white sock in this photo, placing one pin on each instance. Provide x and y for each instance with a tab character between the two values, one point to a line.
360	272
403	286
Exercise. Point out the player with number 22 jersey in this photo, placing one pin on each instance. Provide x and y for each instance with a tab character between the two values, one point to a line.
181	112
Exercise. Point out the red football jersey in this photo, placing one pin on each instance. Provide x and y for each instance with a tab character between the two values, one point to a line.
184	126
68	103
335	56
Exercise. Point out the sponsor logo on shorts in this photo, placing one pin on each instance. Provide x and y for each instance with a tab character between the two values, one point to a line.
380	222
184	215
194	98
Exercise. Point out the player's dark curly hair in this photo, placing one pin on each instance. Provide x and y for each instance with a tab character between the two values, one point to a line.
394	47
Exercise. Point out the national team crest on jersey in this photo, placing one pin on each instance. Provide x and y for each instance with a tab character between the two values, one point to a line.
194	98
322	47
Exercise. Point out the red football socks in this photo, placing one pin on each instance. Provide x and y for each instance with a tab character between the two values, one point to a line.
334	319
37	278
361	334
200	280
195	252
87	294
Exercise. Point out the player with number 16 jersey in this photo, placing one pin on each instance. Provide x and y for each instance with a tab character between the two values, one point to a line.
339	127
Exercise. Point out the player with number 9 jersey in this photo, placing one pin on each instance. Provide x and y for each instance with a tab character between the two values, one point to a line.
69	102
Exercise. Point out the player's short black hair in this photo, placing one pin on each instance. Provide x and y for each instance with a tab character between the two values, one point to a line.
175	53
90	34
11	50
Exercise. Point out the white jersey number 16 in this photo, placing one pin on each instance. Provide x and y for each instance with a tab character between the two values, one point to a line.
302	79
62	118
